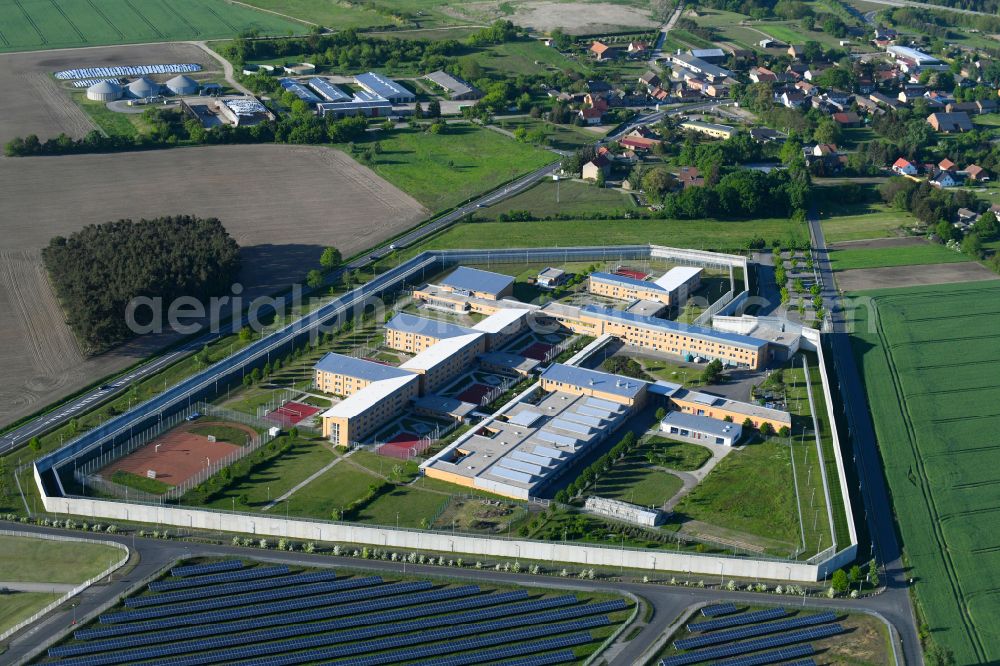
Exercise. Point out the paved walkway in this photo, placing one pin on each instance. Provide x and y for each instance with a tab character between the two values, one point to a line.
692	479
312	477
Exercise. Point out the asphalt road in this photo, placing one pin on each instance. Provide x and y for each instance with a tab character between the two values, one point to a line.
668	603
877	503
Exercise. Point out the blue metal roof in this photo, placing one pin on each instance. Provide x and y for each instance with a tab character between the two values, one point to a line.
327	90
625	280
687	329
435	328
599	381
299	90
359	367
703	424
383	86
473	279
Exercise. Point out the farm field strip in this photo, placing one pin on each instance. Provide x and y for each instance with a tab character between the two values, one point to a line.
935	416
67	23
843	259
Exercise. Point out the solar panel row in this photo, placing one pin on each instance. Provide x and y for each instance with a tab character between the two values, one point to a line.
460	620
561	657
717	637
736	649
396	656
229	588
762	658
230	576
212	629
802	662
402	594
737	620
718	609
199	569
511	651
237	600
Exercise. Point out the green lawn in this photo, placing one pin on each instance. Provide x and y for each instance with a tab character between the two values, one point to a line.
16	607
701	234
143	483
335	489
272	481
682	456
110	122
442	170
527	56
750	491
635	481
935	414
910	255
575	198
410	503
47	25
561	137
222	433
865	221
27	560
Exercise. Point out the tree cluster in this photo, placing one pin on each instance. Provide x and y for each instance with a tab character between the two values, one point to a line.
744	193
100	269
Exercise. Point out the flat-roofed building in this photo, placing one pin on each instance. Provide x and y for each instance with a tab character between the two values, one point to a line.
443	361
713	130
478	283
670	288
623	511
363	103
550	278
503	325
596	384
519	451
700	429
384	87
718	408
458	89
374	394
412	334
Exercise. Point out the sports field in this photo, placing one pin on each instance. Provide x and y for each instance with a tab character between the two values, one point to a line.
930	362
33	24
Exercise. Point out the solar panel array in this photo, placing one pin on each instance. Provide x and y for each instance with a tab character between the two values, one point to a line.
266	616
737	620
236	600
229	588
199	569
754	630
228	577
762	658
375	603
718	609
736	649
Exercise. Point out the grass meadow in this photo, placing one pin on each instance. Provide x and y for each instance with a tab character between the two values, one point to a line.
865	221
574	198
68	23
442	170
880	257
930	361
25	560
19	606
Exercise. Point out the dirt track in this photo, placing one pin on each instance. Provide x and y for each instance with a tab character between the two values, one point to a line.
35	103
282	204
911	276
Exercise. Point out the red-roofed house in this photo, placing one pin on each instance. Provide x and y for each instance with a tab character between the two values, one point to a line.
762	75
637	47
639	143
904	167
602	51
946	165
690	177
847	119
591	116
976	173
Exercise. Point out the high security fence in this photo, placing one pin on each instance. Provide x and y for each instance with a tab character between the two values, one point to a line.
86	474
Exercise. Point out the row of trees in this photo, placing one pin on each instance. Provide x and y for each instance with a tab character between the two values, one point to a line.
598	467
100	269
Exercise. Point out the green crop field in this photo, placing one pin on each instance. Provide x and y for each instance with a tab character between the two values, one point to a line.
27	560
575	198
29	25
442	170
336	15
879	257
930	362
